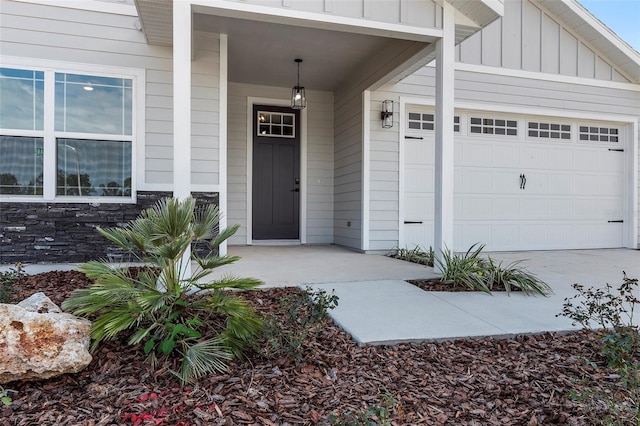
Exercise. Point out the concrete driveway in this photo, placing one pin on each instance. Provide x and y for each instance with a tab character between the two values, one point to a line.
376	305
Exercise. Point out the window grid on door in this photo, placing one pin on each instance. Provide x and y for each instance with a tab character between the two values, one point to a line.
276	124
426	121
545	130
598	134
493	126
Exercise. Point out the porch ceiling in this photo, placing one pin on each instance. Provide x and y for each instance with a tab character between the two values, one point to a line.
263	52
262	47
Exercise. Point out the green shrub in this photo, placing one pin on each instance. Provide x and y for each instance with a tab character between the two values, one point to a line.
415	255
609	313
171	314
8	279
511	276
305	311
471	270
467	269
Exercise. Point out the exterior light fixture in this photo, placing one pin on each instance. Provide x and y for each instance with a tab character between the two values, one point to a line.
387	114
298	96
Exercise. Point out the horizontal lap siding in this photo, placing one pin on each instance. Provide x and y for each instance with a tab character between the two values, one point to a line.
348	171
528	38
319	159
78	36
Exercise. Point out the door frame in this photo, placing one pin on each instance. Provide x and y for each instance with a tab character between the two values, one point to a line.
251	101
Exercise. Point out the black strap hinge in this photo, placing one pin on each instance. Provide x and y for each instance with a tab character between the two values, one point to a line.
616	149
408	222
616	221
414	137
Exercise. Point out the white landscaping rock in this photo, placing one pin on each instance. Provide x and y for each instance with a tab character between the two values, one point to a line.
39	341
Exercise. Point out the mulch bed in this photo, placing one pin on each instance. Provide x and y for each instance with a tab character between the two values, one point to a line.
524	381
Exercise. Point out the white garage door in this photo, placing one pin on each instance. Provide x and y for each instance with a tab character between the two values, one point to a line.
521	183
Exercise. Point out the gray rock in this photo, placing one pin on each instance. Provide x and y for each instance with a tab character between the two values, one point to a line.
39	341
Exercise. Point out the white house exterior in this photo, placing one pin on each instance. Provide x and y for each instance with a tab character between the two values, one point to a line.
106	106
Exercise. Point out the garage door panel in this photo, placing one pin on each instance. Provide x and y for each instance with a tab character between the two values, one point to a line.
420	235
534	157
419	208
573	188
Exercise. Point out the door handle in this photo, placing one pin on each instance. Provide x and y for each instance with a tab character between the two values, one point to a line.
523	181
295	190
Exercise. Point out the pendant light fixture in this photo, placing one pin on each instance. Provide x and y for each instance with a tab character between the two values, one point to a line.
298	96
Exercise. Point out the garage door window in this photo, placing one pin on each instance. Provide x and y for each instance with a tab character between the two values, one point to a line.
541	130
493	126
598	134
420	121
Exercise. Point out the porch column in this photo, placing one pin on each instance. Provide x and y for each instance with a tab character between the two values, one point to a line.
443	217
182	109
181	99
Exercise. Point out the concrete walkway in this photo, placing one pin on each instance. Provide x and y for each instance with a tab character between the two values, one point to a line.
376	305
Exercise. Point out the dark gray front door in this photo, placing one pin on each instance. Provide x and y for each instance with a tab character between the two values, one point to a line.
276	173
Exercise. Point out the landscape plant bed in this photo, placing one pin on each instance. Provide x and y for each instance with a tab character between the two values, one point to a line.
436	284
522	381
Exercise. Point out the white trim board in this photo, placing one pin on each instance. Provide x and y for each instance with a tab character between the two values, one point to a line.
485	69
92	6
251	101
366	170
314	20
222	138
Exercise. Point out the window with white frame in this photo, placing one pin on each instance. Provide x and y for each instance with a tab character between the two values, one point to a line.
544	130
426	121
85	128
493	126
598	134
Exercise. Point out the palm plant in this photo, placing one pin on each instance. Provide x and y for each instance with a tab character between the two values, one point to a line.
170	312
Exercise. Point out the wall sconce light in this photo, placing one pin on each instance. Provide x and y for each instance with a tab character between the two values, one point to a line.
298	96
387	114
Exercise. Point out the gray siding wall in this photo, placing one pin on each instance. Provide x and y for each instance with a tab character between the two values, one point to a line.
348	171
479	88
79	36
319	159
407	12
528	38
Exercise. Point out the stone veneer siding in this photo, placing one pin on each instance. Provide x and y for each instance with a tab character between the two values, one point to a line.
65	232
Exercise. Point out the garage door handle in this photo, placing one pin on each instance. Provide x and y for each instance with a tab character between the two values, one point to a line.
523	181
616	149
615	221
414	137
408	222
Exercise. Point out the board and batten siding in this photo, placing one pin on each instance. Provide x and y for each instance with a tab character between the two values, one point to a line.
495	91
319	183
348	171
528	38
84	37
404	12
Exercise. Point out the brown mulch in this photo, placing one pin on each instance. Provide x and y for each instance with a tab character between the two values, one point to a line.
436	284
523	381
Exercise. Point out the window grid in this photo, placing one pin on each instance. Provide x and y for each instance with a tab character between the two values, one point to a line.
426	121
493	126
276	124
96	162
543	130
598	134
